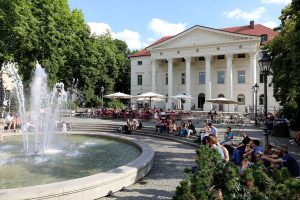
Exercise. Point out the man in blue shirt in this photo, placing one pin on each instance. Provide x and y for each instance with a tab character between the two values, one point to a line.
285	158
255	149
213	131
211	142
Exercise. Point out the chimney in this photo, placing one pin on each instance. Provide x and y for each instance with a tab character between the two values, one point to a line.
252	24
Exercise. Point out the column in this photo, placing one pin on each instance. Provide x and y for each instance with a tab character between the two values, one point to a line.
153	84
170	83
229	83
187	104
253	56
207	105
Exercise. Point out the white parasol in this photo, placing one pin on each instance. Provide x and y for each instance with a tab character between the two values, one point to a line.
119	96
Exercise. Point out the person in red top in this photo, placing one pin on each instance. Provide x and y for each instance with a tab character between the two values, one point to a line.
165	125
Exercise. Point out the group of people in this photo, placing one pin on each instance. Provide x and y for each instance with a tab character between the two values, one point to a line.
184	130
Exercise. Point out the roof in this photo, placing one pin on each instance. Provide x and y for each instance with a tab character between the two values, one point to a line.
257	31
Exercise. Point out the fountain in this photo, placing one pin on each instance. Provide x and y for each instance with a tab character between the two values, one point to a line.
46	163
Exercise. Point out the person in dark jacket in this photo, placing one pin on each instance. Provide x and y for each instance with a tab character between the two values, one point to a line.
190	128
240	149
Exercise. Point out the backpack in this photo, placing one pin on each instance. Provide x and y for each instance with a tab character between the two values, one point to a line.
127	132
140	126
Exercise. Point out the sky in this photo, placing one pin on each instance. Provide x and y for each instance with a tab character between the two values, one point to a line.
140	23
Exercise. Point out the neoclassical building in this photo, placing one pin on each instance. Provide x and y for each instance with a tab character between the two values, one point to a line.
204	63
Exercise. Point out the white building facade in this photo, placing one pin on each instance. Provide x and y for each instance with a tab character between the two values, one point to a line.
204	63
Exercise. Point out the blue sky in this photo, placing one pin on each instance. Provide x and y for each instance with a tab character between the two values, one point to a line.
140	23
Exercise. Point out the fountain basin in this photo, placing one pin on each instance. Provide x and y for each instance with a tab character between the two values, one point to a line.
94	186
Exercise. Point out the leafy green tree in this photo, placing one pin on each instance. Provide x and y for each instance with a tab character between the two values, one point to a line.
217	175
284	50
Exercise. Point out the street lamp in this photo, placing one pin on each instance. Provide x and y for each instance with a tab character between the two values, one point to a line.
265	64
255	89
252	89
102	90
141	90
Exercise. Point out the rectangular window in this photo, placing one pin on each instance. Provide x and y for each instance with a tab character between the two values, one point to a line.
167	79
221	57
140	62
140	79
201	77
201	58
264	38
183	78
241	76
241	55
261	77
221	77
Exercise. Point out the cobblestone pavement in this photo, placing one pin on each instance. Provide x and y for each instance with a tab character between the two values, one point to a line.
169	162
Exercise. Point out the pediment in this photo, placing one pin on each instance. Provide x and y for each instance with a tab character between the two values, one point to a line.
197	36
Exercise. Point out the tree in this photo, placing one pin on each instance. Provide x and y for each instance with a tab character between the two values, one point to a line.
217	175
284	51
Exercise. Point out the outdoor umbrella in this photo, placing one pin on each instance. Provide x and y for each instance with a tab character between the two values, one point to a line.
181	97
119	96
151	95
148	99
223	101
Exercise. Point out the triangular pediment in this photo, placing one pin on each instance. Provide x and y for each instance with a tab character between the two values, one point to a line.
198	35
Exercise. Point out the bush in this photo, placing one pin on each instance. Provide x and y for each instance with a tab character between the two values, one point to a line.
114	103
252	184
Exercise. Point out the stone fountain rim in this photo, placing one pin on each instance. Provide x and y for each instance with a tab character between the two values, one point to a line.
94	186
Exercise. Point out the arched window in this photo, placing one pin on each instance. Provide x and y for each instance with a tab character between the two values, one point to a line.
261	100
221	96
241	98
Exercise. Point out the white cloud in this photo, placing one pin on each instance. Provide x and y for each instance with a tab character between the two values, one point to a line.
270	24
276	1
151	39
131	38
164	28
145	45
239	14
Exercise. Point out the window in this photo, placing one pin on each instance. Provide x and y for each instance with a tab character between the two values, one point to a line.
221	77
182	78
140	79
261	100
241	55
264	38
140	62
167	79
182	60
201	77
201	58
221	96
241	76
241	98
261	77
221	57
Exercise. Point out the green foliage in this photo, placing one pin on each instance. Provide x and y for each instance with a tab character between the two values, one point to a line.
114	103
252	184
49	32
284	50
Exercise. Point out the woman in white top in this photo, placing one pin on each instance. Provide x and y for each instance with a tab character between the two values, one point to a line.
134	124
1	130
156	116
206	132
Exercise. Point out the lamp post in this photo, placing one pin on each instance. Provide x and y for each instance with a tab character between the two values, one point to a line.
265	64
255	89
102	90
252	89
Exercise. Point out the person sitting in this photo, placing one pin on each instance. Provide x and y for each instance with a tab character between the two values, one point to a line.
128	123
29	126
178	128
270	121
286	120
154	108
204	134
211	142
156	116
163	114
285	158
134	124
215	113
115	113
10	120
157	126
64	127
182	130
228	137
253	150
172	126
296	139
104	109
190	128
165	124
225	151
269	151
213	130
240	149
139	112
